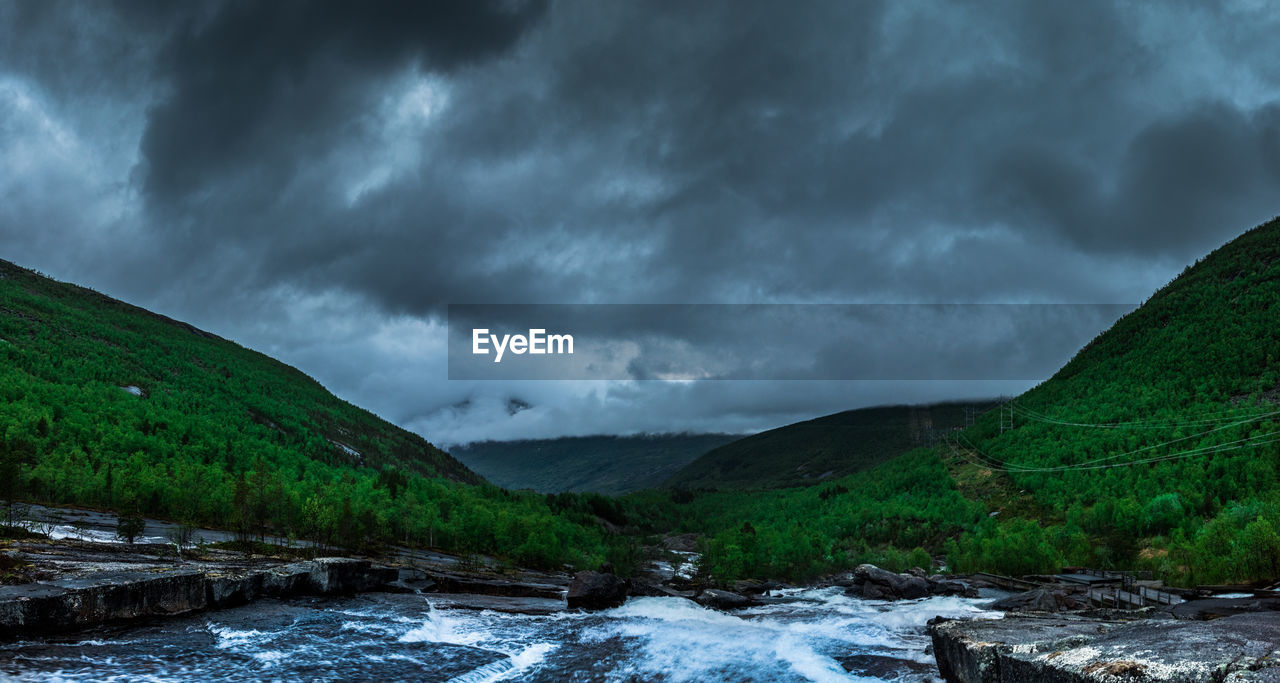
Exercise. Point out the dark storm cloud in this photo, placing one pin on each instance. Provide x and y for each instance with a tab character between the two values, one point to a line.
324	163
1179	178
258	83
748	151
83	46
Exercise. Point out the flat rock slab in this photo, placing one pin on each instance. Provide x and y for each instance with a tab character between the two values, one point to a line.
885	667
1108	646
516	587
1216	608
497	603
102	597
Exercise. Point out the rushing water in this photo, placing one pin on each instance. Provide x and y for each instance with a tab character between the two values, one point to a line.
391	637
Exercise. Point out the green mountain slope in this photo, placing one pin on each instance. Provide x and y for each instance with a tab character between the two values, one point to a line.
73	355
1156	447
1159	443
603	464
825	448
108	405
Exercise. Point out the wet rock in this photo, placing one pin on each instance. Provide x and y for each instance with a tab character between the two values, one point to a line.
232	591
111	596
884	667
756	587
1216	608
948	587
497	603
869	573
597	590
343	575
647	588
723	600
685	543
871	591
1054	599
652	589
101	597
289	579
873	583
448	582
913	588
410	581
1107	645
892	586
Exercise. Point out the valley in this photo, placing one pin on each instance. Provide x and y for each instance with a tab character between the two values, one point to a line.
1153	450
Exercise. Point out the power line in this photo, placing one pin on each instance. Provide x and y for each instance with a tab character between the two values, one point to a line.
989	462
1041	417
1180	439
997	464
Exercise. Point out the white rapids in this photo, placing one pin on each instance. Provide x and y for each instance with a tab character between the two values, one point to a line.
808	635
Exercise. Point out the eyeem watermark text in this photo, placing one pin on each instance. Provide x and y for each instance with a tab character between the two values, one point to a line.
537	342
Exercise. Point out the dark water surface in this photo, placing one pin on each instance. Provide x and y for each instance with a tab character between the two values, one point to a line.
811	637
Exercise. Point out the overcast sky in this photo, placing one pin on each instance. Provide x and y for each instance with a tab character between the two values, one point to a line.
319	180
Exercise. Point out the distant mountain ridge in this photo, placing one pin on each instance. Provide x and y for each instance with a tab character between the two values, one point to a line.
599	464
824	448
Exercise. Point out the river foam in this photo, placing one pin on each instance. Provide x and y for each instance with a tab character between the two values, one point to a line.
811	635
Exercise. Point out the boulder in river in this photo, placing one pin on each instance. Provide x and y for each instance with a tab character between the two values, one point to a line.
1048	599
597	590
757	586
723	600
873	583
649	588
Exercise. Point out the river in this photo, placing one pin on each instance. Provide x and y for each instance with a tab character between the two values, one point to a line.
805	635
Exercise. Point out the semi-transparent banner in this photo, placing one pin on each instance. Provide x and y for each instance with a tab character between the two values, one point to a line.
770	341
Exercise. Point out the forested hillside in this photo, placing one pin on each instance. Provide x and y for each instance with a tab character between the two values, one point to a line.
105	404
1157	447
1159	443
600	464
824	448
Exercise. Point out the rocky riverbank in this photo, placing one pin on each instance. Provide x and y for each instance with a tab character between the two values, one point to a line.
64	604
67	584
63	585
1113	645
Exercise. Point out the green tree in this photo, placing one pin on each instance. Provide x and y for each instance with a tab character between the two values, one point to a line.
129	526
11	482
1162	513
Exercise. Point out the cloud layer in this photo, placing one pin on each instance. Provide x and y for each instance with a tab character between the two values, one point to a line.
319	180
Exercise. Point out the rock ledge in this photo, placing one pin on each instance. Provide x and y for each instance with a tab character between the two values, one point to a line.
1106	645
109	596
